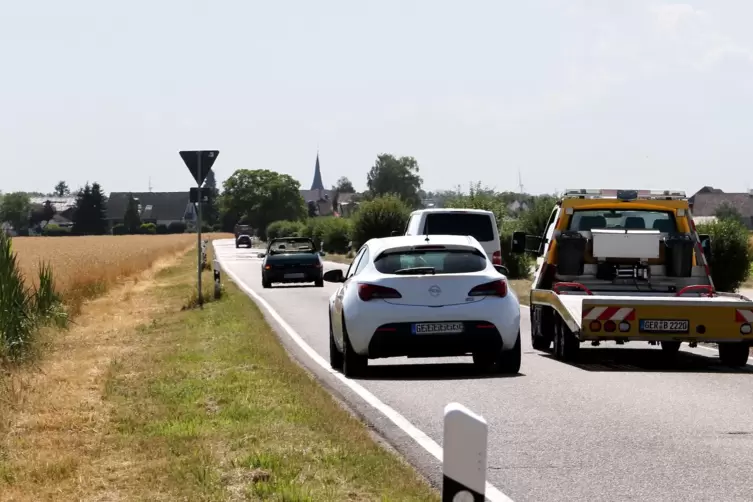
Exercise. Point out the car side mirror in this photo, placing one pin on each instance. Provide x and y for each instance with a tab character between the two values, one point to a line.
394	233
335	275
518	244
706	246
502	269
261	255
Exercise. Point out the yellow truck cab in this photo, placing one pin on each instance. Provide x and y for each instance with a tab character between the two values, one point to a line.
628	265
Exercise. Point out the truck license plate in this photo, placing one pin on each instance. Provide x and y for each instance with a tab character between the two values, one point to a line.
430	328
664	326
293	276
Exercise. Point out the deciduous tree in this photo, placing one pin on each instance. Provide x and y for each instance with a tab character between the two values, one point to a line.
258	197
399	176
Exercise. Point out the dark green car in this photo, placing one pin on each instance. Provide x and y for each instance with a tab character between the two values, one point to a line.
291	260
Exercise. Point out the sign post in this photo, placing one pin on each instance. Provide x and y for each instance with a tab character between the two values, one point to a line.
199	163
464	455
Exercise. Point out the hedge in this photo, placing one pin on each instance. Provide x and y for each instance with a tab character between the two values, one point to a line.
53	230
731	253
334	232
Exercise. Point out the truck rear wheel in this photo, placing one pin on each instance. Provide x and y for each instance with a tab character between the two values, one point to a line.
566	346
540	343
734	354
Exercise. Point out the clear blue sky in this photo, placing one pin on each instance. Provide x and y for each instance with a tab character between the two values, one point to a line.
573	93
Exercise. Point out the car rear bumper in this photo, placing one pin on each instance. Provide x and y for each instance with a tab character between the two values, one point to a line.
396	340
364	319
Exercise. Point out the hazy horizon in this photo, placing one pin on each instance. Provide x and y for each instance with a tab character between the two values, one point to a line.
572	94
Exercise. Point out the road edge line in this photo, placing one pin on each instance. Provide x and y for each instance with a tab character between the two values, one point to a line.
432	447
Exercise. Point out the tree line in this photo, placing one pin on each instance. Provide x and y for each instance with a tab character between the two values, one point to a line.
256	197
89	215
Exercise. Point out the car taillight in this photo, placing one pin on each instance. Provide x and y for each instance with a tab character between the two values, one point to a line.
368	292
495	288
497	258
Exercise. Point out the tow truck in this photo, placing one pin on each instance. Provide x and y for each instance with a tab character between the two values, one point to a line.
629	265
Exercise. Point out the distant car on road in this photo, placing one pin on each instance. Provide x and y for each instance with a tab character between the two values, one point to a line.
423	296
291	260
478	223
243	236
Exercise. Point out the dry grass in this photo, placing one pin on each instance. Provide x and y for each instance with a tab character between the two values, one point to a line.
84	267
143	401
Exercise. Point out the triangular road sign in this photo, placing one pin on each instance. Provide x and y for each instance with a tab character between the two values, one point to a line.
191	159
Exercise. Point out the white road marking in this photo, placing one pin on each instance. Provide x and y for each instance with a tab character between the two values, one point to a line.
492	493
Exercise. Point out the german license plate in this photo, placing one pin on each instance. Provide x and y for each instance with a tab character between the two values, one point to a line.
439	328
664	326
294	276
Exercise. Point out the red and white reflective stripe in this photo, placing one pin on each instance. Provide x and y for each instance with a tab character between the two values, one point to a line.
701	254
609	314
742	315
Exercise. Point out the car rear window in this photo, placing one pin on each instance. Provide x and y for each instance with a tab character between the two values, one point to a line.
586	220
291	246
479	226
442	260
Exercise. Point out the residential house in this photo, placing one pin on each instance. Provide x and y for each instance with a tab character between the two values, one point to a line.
160	208
64	208
707	200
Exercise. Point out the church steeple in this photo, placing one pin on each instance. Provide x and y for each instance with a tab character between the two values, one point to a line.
317	184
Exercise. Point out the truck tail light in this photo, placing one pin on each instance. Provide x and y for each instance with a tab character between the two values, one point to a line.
494	288
368	292
497	258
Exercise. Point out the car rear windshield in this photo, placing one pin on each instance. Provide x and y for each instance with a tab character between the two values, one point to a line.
586	220
479	226
291	246
443	261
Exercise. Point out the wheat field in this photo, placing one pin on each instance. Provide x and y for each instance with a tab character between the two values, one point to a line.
85	266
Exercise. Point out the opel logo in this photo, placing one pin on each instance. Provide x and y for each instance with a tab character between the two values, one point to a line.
435	291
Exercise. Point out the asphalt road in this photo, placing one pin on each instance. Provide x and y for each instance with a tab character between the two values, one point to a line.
618	426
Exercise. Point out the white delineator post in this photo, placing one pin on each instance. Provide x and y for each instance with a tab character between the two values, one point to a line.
217	284
464	455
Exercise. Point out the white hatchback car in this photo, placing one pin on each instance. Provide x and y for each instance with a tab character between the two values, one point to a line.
423	296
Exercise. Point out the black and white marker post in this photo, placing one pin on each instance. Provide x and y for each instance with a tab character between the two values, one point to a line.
463	455
199	163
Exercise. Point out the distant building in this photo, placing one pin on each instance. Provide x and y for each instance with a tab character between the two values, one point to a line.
160	208
705	202
324	198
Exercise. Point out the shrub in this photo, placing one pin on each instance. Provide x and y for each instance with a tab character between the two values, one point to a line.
52	230
336	235
730	255
313	228
176	227
119	229
161	229
533	220
284	228
519	265
379	218
148	229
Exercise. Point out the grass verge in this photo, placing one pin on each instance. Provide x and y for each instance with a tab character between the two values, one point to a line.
188	404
